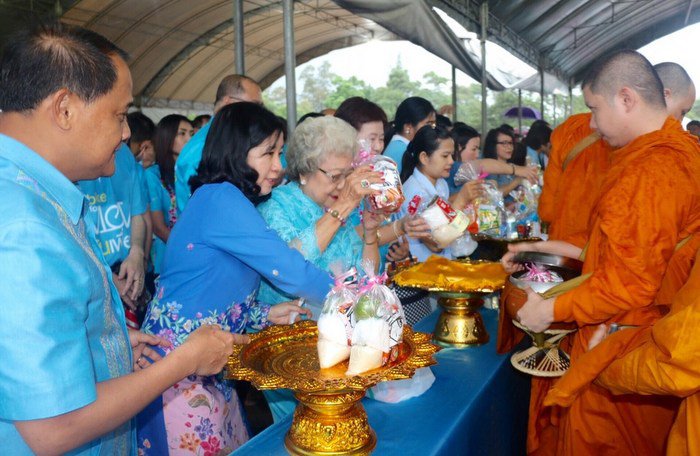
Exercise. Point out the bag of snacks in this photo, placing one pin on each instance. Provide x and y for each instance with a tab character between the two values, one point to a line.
489	209
446	224
467	172
390	198
335	322
378	322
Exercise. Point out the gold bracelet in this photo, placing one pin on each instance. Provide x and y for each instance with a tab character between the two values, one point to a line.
364	239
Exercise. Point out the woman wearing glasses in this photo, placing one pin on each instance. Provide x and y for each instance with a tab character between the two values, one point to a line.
499	145
311	212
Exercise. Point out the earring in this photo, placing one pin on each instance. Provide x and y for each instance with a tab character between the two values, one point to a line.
408	132
302	182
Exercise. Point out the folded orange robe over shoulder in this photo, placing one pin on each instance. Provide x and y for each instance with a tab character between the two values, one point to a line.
668	362
570	192
649	201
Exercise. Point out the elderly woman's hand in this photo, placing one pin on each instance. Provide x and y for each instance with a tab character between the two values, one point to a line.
358	185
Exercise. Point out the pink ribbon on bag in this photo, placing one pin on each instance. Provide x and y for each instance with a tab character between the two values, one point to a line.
372	281
339	280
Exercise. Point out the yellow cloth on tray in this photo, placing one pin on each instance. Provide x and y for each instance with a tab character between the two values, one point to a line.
440	274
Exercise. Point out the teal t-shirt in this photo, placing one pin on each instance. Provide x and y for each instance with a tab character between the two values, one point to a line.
112	201
395	150
62	321
186	166
159	200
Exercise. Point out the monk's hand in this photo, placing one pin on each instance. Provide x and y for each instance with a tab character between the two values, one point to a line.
537	313
507	262
600	333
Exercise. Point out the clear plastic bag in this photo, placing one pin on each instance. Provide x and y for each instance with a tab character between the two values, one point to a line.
490	209
378	321
467	172
401	390
391	197
335	324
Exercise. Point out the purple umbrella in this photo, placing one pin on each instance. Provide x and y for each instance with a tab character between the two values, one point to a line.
525	113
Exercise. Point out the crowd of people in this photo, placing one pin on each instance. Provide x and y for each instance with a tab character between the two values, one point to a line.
138	253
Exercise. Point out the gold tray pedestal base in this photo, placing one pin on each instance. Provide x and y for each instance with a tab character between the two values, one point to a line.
460	324
332	424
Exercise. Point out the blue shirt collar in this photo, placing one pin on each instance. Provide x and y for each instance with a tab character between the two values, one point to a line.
63	191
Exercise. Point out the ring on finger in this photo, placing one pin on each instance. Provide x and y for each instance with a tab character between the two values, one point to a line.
364	183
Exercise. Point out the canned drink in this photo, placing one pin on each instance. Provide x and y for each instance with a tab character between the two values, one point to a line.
132	321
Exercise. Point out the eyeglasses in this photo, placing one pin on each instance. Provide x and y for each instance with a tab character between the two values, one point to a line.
505	143
335	178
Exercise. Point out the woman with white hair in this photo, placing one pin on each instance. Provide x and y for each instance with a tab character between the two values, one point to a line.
311	212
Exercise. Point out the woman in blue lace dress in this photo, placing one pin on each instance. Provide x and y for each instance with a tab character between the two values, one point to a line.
214	259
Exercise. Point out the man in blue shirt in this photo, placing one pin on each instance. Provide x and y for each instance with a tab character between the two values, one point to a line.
66	377
118	207
233	88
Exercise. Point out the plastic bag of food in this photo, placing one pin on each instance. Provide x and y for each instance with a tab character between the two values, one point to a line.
390	196
378	324
467	172
490	209
446	223
335	323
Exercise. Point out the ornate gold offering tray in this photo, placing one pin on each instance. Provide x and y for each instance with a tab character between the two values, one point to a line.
330	419
460	287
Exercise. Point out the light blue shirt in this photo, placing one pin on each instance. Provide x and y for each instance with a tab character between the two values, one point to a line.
159	200
186	166
418	184
293	215
62	321
395	149
112	202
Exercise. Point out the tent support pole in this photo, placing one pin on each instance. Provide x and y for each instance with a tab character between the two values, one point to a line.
542	90
484	27
554	109
454	94
571	101
520	112
290	64
238	31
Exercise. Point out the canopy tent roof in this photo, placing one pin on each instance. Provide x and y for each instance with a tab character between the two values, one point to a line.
565	36
180	49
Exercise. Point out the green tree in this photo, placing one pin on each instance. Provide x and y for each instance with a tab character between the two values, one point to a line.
398	87
317	85
346	88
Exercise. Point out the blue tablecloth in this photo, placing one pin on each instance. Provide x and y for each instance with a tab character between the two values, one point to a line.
477	405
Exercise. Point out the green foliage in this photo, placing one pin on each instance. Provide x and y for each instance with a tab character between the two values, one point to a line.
320	88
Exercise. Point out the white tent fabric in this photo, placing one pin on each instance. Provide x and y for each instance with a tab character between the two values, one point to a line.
416	21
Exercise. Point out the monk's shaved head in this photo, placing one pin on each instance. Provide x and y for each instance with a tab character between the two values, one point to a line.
678	88
626	69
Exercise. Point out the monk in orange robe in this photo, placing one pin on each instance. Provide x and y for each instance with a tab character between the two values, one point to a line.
578	162
649	201
663	359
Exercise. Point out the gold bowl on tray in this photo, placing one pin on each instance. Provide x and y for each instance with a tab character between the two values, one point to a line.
330	418
460	287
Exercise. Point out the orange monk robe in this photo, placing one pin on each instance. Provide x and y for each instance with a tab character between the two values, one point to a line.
649	201
568	195
662	359
668	363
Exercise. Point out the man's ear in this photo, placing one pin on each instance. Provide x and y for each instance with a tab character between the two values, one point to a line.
63	106
667	94
628	97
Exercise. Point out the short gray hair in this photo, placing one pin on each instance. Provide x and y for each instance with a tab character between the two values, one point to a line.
317	138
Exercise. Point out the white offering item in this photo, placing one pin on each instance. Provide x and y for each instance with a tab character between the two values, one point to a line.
445	234
370	340
332	343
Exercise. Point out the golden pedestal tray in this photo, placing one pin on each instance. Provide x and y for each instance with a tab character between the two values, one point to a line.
460	324
329	419
460	287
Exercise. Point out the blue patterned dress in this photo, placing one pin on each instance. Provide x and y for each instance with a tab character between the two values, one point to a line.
214	259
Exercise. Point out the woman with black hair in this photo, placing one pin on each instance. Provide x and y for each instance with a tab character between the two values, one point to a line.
499	145
538	144
467	142
426	164
214	260
170	136
411	115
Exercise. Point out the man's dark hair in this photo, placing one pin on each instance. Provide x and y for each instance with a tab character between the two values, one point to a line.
232	86
38	62
141	126
692	123
235	130
201	120
538	135
358	111
626	68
